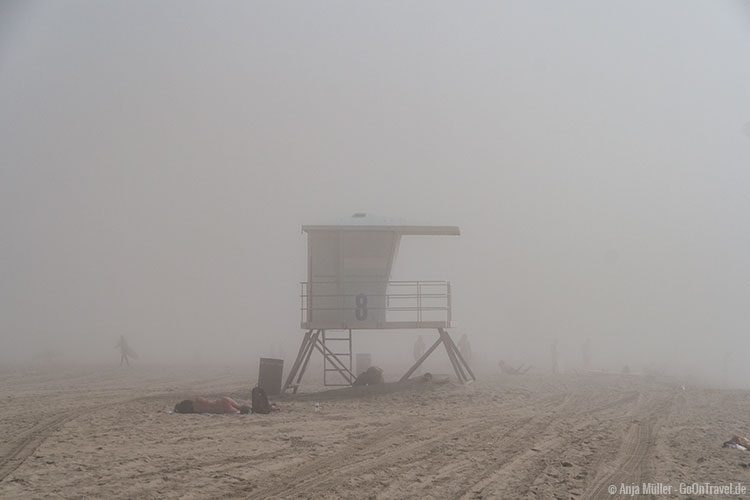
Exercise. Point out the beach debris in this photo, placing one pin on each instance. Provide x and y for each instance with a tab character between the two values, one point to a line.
371	376
734	446
513	370
738	443
316	406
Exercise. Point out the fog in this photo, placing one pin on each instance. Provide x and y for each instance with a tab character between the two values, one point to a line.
157	161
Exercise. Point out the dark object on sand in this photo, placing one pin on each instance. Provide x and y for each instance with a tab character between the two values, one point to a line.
738	443
427	377
260	401
184	406
371	376
222	405
269	375
363	361
512	370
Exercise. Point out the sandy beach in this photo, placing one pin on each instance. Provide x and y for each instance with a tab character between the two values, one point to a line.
108	433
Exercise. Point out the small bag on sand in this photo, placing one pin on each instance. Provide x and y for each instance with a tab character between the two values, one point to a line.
260	401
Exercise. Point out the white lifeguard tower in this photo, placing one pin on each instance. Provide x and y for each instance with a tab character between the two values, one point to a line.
348	288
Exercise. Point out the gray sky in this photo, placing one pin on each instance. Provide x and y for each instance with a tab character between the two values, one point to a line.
158	158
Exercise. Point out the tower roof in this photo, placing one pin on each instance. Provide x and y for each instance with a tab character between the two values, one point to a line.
368	222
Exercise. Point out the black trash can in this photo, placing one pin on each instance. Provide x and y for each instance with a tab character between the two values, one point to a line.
269	375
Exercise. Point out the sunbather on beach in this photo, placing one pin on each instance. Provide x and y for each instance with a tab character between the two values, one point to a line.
202	405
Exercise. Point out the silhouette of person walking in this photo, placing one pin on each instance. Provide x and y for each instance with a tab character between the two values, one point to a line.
125	351
419	348
586	350
464	348
555	366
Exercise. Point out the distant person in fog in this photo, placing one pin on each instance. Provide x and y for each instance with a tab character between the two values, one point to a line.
464	348
555	365
586	351
125	351
277	350
419	348
418	351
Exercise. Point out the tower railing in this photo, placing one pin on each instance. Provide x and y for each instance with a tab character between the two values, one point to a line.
396	302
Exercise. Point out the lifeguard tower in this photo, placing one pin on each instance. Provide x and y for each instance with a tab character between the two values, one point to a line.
348	288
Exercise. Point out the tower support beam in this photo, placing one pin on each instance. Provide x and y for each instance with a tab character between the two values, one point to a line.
459	364
313	340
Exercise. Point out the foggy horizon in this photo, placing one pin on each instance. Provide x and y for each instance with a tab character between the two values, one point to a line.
157	162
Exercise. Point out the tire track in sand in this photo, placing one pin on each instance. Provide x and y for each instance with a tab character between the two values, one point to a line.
385	448
13	454
535	448
630	462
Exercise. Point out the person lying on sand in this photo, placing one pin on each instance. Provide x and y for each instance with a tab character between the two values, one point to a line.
512	370
204	405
